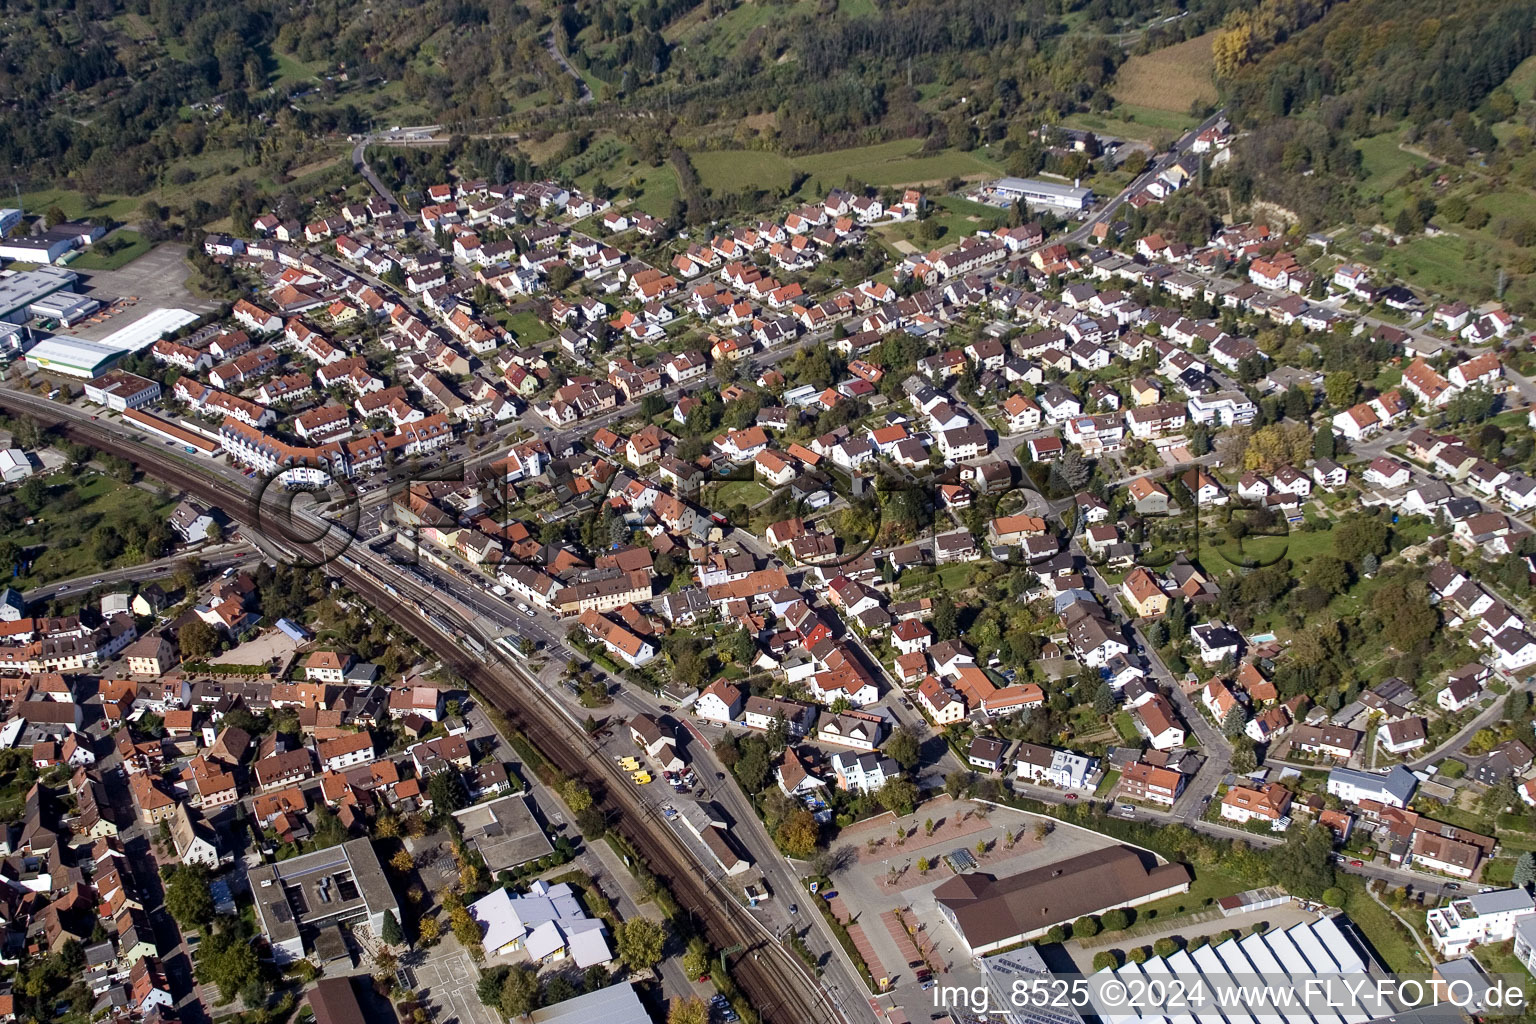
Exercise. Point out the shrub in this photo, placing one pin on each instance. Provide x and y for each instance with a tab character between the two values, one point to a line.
1117	920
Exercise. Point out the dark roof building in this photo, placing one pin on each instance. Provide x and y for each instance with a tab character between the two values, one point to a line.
990	913
334	1002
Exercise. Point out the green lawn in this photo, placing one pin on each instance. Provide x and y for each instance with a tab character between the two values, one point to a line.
1384	162
1380	928
527	327
1299	547
956	576
730	170
1438	263
743	492
1522	81
1209	885
63	539
290	70
895	163
1107	784
727	31
133	245
1504	204
75	207
1130	121
953	217
1126	728
654	190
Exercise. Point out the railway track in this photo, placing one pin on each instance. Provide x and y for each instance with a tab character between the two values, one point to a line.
778	985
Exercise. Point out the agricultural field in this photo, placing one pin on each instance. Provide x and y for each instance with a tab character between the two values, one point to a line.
1522	81
1129	121
721	36
885	164
729	170
1172	79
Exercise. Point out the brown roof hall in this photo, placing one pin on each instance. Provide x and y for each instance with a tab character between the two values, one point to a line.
990	913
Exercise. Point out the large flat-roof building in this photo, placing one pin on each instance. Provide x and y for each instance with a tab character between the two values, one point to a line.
67	307
19	291
616	1004
1035	192
1231	974
990	913
297	898
73	357
36	249
150	328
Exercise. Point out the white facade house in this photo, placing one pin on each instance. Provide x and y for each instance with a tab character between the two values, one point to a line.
1063	768
863	773
720	702
346	751
1394	788
1484	918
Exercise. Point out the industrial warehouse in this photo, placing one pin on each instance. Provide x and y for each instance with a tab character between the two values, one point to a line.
1323	950
1035	192
1318	950
19	292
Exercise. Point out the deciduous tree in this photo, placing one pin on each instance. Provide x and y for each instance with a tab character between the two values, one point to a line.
519	991
797	835
188	897
688	1010
639	943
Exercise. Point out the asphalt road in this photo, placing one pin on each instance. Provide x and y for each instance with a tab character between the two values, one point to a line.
1158	165
584	94
212	558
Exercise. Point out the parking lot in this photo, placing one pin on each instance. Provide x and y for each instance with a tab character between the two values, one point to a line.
154	280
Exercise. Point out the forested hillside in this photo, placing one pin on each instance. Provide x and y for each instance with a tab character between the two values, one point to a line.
1310	84
832	73
110	93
